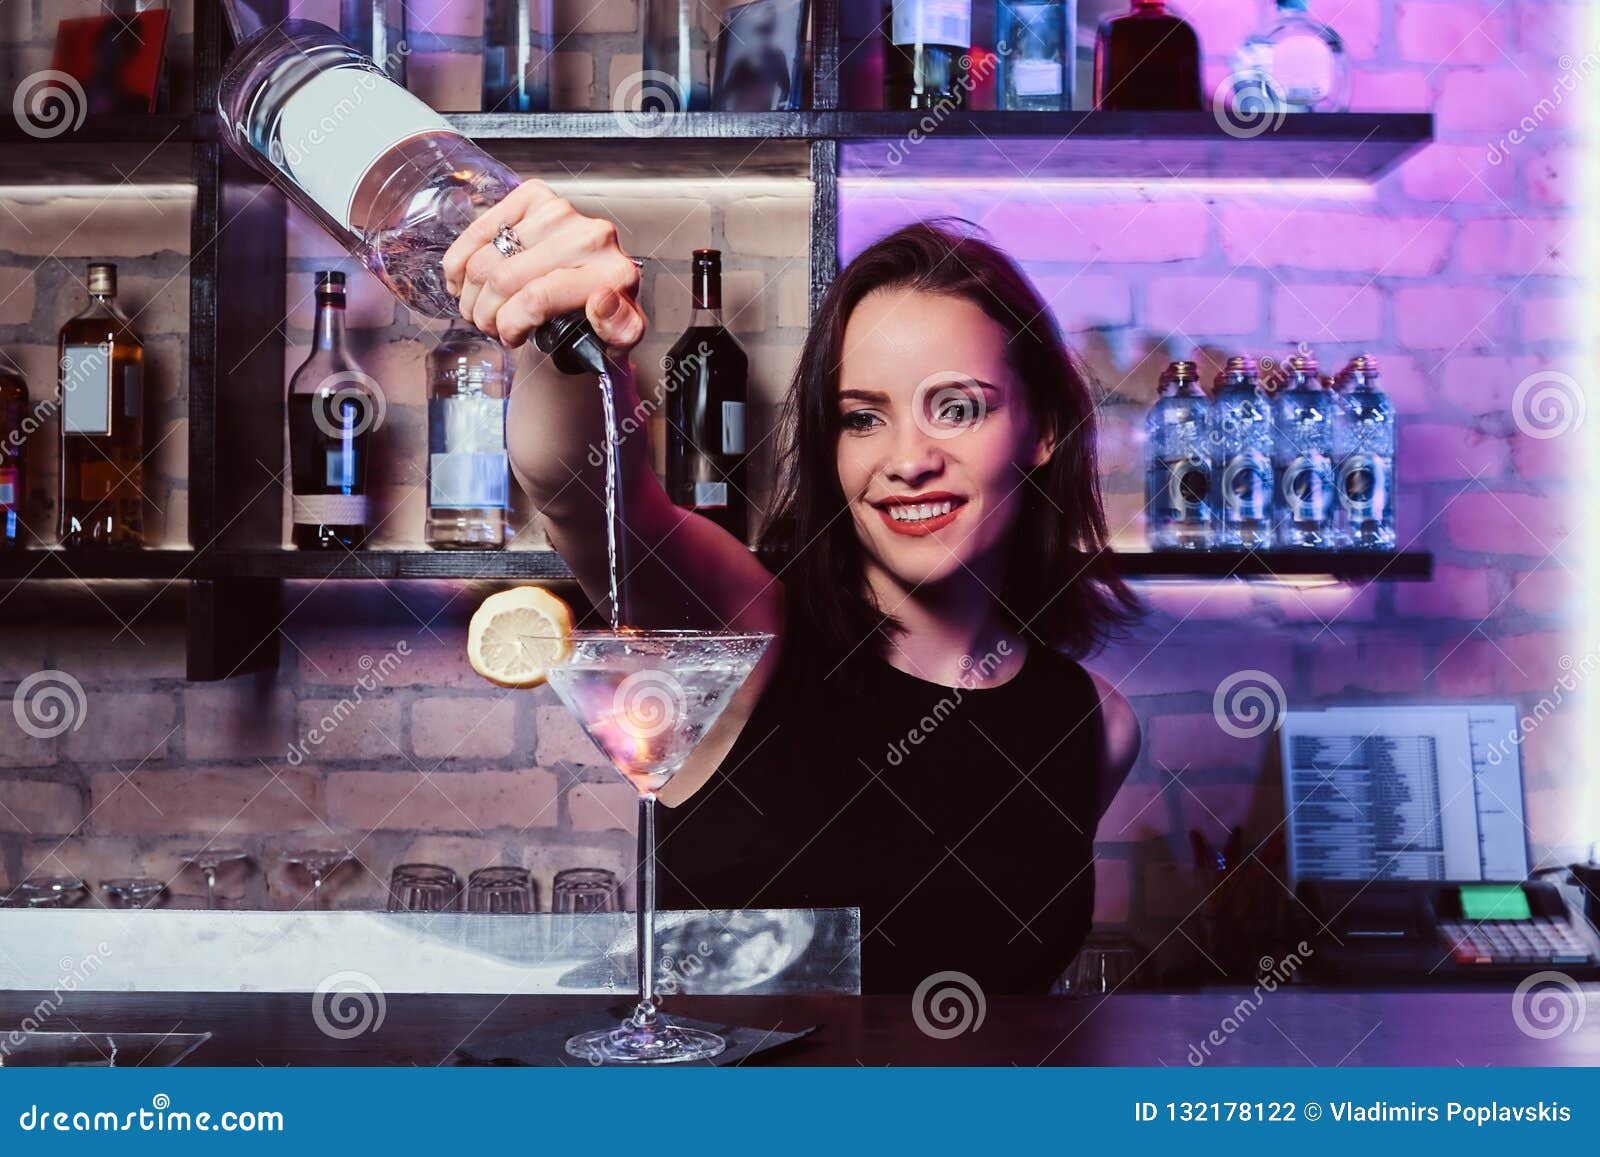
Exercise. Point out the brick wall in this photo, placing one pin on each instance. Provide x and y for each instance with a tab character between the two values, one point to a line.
1458	271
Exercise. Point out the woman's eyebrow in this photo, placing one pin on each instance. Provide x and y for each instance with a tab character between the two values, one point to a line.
877	397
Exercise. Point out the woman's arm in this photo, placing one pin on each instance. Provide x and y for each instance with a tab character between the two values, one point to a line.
681	569
1121	740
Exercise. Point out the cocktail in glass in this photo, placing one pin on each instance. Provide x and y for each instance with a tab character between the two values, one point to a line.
647	699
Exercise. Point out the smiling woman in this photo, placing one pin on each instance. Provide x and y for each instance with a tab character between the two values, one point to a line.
920	741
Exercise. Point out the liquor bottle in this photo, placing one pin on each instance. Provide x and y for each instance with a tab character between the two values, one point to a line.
332	408
1147	58
13	464
1179	503
1303	421
380	171
517	38
378	28
1036	44
1294	64
469	377
1365	449
928	55
704	378
101	379
1242	433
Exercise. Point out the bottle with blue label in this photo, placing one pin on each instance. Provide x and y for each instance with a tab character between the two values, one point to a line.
1365	445
1241	433
1180	500
469	487
1303	425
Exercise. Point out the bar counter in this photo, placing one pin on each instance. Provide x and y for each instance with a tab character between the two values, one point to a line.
1291	1027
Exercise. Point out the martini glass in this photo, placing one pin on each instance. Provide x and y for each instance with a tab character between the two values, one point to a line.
209	860
319	864
647	699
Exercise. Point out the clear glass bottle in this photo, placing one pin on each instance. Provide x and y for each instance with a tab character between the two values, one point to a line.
1147	58
929	54
1242	433
1179	500
517	41
677	56
14	430
378	28
705	377
1365	445
469	378
379	170
332	408
101	380
1303	420
1295	64
1038	61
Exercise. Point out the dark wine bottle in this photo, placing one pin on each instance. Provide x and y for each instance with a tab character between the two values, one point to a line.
1147	59
705	379
331	409
928	55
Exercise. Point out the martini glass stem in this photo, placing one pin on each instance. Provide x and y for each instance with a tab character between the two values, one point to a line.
645	1014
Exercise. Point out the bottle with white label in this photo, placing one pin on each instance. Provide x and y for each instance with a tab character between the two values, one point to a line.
1303	416
704	380
929	55
333	408
379	170
469	377
101	379
1035	47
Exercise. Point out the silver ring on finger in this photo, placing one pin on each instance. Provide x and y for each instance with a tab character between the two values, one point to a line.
506	241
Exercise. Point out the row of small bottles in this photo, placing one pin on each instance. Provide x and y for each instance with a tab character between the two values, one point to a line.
333	407
1146	58
1309	463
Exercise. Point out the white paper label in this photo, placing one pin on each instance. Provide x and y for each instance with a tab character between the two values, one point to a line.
1036	77
86	390
329	509
710	494
337	124
8	493
733	427
464	481
947	22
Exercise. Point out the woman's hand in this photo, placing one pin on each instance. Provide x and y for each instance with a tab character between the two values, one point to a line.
568	261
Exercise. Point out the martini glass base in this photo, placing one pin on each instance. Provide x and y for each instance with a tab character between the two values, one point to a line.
660	1044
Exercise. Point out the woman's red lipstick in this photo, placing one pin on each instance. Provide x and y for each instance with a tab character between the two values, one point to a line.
886	507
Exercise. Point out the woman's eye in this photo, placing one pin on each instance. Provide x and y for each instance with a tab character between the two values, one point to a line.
859	420
958	411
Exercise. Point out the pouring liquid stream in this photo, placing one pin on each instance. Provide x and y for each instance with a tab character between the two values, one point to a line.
613	502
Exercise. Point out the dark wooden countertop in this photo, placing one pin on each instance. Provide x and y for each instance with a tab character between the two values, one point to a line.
1289	1027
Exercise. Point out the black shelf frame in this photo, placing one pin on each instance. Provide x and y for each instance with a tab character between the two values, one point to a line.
234	576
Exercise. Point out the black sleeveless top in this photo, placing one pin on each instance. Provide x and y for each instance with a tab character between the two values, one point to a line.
960	821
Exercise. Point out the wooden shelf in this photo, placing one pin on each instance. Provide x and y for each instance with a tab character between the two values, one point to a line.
1344	565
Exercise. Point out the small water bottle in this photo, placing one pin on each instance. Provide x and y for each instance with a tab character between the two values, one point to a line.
516	55
379	170
1242	434
378	28
1365	450
1036	45
1303	421
469	377
1295	64
1179	499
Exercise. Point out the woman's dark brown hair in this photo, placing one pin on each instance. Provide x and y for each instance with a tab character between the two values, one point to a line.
1059	587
